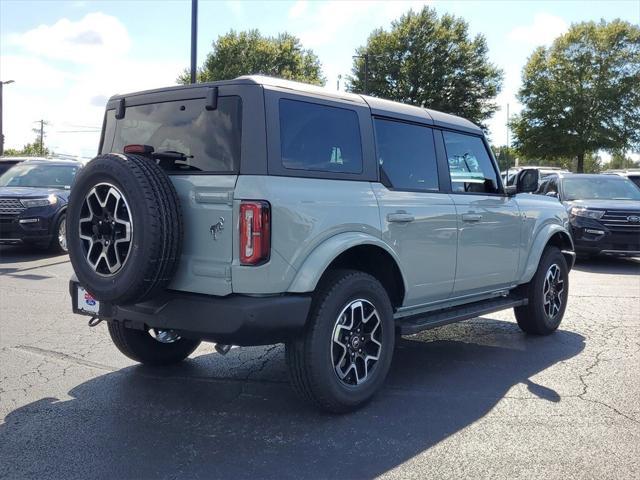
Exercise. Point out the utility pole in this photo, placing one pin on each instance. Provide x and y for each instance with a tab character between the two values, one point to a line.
194	38
366	57
41	138
1	132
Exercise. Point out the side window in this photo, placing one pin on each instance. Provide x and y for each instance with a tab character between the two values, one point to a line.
552	186
406	155
542	188
319	138
470	166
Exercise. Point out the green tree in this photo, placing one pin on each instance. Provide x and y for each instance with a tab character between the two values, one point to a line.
582	94
619	160
248	53
505	156
430	62
28	150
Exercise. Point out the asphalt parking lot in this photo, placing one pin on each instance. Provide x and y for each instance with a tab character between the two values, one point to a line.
473	400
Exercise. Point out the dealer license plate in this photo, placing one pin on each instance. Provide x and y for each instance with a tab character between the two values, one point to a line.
86	303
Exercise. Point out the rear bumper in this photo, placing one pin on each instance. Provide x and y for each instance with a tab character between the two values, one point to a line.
233	320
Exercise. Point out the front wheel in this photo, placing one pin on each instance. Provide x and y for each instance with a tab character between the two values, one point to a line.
151	347
59	240
547	293
345	354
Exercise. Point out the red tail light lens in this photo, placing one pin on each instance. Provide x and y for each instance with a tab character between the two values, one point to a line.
255	232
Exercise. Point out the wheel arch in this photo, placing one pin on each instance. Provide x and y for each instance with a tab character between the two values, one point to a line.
551	235
357	251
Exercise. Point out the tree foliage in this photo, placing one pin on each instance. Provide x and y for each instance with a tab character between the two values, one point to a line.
432	62
28	150
582	94
247	53
619	160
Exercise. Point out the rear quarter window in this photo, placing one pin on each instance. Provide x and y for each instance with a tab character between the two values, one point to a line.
319	138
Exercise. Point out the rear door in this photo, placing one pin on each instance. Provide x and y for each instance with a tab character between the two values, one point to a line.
211	132
489	222
417	218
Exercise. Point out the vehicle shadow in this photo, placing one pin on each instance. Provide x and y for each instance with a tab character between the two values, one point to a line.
609	265
27	253
183	423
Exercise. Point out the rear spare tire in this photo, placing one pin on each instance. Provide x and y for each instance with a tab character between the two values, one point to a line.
124	228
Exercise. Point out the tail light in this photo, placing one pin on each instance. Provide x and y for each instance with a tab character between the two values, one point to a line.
139	149
255	232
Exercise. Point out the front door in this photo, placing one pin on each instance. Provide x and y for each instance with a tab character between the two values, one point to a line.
489	223
418	220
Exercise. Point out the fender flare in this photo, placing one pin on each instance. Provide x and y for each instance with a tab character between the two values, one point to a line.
539	244
316	263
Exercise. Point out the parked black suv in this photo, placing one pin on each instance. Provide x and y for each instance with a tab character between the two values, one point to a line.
33	202
604	212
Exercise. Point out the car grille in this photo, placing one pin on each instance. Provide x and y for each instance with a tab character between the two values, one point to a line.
618	221
10	206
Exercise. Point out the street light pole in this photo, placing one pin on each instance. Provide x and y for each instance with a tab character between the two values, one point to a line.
1	132
194	38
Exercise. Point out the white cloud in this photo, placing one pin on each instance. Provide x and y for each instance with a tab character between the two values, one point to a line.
54	81
96	37
330	19
543	31
298	9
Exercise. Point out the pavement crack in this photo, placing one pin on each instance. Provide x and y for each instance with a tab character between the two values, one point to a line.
64	357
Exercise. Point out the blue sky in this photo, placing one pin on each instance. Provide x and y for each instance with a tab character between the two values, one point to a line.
67	57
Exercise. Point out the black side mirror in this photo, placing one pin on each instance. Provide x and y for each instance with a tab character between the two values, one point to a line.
510	190
528	180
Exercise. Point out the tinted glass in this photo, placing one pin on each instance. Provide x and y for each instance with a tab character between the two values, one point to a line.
319	138
406	155
606	187
470	166
39	175
209	139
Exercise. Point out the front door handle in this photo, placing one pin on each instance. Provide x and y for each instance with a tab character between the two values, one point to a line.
400	217
471	217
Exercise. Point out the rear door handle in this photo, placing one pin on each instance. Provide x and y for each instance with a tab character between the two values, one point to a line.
400	217
471	217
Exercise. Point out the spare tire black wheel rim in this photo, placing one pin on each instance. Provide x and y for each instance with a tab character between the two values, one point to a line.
106	229
356	343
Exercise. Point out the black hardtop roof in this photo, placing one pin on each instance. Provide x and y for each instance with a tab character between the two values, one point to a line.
378	106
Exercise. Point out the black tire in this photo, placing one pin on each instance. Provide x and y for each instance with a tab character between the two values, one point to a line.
535	317
156	228
309	357
56	244
140	346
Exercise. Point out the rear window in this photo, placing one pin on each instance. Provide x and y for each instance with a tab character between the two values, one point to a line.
209	140
319	138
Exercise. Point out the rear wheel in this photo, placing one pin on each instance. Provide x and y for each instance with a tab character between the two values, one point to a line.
344	356
547	293
151	347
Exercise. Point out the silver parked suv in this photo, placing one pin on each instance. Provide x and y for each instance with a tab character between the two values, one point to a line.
256	211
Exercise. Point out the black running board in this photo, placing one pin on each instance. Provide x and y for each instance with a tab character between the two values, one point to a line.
437	318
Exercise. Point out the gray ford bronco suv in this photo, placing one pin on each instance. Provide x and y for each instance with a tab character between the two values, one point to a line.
256	211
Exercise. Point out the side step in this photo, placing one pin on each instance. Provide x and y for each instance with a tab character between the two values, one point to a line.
437	318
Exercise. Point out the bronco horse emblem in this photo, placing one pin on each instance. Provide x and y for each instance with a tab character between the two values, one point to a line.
217	228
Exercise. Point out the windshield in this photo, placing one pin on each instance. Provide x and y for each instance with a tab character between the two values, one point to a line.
39	176
604	188
184	135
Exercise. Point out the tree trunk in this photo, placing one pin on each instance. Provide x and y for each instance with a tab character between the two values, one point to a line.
580	166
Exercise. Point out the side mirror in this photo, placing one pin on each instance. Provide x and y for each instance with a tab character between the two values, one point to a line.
528	180
552	194
510	190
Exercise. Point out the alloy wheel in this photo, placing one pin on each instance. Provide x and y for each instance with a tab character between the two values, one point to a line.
356	343
552	291
106	228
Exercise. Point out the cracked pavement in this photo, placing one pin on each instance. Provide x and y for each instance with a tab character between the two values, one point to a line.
473	400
